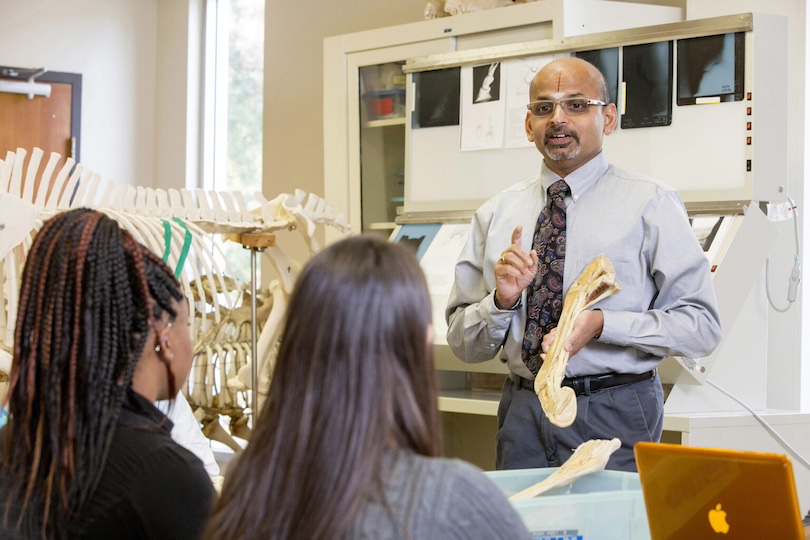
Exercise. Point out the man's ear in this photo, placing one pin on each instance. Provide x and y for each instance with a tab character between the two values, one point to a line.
528	125
611	118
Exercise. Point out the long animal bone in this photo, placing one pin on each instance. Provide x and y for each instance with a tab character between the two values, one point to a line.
589	457
596	282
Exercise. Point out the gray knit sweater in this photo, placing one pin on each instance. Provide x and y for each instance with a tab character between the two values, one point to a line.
435	498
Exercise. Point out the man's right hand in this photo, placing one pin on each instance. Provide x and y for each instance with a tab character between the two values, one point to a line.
514	271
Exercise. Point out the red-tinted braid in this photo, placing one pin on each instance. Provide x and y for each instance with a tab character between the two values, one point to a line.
16	371
137	257
140	254
31	373
81	256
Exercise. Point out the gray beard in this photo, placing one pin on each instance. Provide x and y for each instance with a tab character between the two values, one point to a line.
562	153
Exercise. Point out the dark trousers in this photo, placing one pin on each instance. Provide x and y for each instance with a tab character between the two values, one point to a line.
526	439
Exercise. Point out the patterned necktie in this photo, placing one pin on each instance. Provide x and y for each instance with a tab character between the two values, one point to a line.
544	295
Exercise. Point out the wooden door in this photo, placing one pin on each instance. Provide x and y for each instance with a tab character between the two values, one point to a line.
41	121
50	123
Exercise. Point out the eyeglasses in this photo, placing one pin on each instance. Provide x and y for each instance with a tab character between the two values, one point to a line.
545	108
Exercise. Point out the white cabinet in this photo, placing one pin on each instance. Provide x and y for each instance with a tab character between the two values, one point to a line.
364	156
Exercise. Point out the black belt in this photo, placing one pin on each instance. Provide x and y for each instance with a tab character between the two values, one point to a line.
589	384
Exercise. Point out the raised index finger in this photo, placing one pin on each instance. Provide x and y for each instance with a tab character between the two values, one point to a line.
517	241
517	235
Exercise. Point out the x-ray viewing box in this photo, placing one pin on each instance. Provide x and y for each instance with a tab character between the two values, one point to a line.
725	159
719	156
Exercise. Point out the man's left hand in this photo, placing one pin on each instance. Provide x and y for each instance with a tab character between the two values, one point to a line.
587	326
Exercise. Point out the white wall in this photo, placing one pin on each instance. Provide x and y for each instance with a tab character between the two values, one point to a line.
112	44
293	83
178	94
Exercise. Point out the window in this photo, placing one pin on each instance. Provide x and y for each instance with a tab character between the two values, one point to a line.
232	132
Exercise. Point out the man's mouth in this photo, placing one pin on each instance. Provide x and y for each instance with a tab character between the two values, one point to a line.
561	138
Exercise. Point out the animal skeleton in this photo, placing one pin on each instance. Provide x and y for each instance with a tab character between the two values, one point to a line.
178	224
596	282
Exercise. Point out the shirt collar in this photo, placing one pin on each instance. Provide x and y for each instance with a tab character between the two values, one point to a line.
581	180
135	407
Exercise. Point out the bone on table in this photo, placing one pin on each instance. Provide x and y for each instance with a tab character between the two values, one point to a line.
589	457
596	282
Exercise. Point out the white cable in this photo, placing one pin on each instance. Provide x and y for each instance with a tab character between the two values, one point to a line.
795	225
767	426
795	273
768	290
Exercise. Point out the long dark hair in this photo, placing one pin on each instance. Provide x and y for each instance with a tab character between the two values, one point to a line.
90	294
354	374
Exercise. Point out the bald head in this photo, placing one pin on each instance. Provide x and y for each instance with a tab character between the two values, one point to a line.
570	138
568	70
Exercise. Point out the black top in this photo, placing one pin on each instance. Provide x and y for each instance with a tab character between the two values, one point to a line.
151	487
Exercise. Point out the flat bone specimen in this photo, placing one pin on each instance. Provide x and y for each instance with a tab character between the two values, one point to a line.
596	282
589	457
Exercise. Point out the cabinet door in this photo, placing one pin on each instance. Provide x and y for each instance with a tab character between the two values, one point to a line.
382	144
365	151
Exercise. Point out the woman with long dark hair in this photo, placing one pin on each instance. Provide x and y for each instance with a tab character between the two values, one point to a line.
346	444
102	333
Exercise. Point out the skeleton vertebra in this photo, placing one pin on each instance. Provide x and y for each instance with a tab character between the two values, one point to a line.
596	282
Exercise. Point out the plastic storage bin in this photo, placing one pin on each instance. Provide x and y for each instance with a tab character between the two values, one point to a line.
385	104
601	506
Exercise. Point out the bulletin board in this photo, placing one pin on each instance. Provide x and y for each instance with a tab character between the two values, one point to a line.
712	138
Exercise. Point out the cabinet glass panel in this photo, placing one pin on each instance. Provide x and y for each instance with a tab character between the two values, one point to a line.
382	145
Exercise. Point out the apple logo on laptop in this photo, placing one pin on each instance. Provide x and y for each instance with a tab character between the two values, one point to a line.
717	519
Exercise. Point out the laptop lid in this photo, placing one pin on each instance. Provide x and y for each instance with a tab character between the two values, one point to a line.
693	493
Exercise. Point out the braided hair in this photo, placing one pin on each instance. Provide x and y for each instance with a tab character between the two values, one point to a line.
90	294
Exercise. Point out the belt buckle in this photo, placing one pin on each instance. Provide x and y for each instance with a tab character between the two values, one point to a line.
580	386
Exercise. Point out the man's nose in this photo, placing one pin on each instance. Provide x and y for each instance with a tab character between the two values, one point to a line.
558	114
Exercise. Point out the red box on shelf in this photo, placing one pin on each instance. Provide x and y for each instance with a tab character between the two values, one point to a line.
385	104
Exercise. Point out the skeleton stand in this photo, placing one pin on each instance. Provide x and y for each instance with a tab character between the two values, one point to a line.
256	242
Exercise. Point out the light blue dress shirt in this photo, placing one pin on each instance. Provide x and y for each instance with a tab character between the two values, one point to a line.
667	304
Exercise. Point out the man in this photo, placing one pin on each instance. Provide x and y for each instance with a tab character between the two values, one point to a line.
503	286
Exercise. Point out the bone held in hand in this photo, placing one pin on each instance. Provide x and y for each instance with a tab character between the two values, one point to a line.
596	282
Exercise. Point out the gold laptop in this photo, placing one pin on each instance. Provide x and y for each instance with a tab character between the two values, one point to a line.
695	493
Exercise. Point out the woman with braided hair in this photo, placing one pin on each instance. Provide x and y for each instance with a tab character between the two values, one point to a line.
102	333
